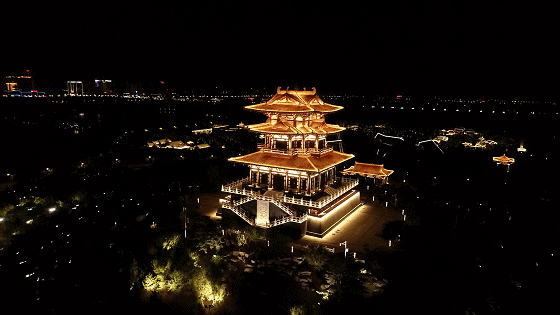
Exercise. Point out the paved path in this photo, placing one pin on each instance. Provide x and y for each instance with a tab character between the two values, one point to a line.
363	227
210	202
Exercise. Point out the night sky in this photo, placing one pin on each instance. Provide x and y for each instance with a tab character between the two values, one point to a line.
501	49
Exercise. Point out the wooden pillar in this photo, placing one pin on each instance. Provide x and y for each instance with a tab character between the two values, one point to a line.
286	181
289	143
269	178
299	183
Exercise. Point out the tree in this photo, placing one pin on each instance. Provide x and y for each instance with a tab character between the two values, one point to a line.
344	283
297	310
211	242
206	289
316	257
171	241
163	278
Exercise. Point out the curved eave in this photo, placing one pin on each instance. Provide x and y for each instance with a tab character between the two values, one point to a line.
368	170
293	108
283	129
279	108
503	159
301	162
326	108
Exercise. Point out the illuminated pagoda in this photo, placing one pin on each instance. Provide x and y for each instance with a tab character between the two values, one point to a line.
293	180
504	160
521	149
376	171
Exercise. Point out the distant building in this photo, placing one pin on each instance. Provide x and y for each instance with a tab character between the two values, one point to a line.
202	131
103	86
504	160
20	85
166	143
74	88
376	171
482	143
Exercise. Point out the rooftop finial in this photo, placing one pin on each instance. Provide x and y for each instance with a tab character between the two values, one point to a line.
314	90
278	89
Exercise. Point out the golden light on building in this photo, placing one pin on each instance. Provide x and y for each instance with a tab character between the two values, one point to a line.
11	86
292	175
504	160
376	171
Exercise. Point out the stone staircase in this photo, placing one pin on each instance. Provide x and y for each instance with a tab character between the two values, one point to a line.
329	190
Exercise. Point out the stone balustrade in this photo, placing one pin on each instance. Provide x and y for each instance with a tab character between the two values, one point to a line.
236	188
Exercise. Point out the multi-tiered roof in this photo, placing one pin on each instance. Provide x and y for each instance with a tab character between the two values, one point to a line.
295	112
295	116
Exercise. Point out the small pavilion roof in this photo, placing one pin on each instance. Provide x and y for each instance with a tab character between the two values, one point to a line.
503	159
368	170
301	162
293	101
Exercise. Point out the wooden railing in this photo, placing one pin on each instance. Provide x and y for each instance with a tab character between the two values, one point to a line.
293	151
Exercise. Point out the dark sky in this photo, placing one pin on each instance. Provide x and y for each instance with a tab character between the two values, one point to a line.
504	48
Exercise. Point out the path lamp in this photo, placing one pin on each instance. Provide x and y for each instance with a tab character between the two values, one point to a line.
345	249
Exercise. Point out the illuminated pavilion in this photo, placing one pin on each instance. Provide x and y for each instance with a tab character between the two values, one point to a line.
376	171
504	160
293	178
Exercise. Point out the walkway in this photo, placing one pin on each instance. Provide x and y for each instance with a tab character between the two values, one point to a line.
363	227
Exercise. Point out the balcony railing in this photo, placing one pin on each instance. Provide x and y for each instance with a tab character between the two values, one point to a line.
235	207
286	219
237	188
275	201
293	151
